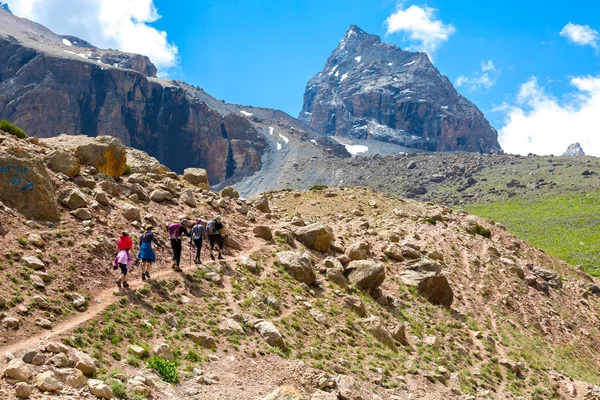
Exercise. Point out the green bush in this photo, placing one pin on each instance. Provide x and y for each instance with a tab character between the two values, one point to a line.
127	170
12	129
480	230
118	388
318	187
166	369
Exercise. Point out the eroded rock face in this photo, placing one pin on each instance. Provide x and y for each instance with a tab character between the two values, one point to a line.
373	90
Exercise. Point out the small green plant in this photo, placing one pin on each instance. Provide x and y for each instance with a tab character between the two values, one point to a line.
6	126
127	170
166	369
22	241
431	221
318	187
480	230
118	388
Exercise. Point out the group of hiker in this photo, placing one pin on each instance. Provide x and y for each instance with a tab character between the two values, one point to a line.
200	231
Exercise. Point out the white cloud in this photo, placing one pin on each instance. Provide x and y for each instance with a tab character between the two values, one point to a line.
420	26
118	24
484	79
581	34
543	124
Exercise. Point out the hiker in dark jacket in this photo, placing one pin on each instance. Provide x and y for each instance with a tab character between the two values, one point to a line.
215	233
175	232
146	253
198	234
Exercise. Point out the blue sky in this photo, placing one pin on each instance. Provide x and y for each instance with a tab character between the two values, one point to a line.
263	53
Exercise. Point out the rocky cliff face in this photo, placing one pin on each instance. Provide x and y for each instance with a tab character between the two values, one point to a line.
574	150
373	90
49	85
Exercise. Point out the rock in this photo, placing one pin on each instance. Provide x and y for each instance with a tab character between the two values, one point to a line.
33	262
85	181
39	360
72	198
71	377
23	390
321	395
160	196
141	163
132	212
100	389
537	283
286	235
365	275
85	363
394	252
136	178
285	393
336	276
248	263
108	185
139	386
36	240
333	263
60	360
431	284
551	277
260	202
44	323
201	339
343	259
358	251
378	329
78	300
47	382
263	232
63	162
316	237
356	305
140	192
515	367
230	192
45	277
163	350
83	214
348	389
26	185
3	301
188	197
411	253
55	348
228	326
18	370
137	350
36	281
28	355
398	332
101	197
196	176
300	266
270	333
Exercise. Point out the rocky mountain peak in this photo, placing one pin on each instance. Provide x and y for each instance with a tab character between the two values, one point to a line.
4	6
574	150
374	90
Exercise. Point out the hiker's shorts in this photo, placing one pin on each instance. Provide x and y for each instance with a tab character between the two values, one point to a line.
216	239
123	268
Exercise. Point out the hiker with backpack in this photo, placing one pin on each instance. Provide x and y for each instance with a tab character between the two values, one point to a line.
123	259
198	234
214	231
175	232
146	253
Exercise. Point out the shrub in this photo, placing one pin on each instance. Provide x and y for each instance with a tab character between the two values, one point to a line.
12	129
127	170
118	388
166	369
318	187
480	230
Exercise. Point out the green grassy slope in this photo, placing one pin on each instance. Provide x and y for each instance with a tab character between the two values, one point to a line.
566	226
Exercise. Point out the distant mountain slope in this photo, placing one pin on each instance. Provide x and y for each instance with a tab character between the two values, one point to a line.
374	90
51	84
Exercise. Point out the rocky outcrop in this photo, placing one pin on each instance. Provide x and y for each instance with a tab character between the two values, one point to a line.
426	276
299	265
373	90
574	150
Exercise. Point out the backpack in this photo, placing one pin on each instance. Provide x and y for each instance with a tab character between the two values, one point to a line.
174	231
197	231
211	228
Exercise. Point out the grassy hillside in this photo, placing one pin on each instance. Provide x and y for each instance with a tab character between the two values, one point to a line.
566	226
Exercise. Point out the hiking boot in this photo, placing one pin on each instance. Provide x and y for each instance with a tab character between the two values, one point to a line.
147	275
178	268
212	257
119	284
143	276
125	284
221	257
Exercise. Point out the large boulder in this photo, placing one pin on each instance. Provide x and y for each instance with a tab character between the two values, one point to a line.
201	339
358	251
551	277
299	265
85	363
105	153
378	329
189	198
47	382
426	276
72	198
100	389
230	192
365	275
285	393
271	334
26	186
348	388
64	162
71	377
196	176
141	163
160	195
132	212
316	237
260	202
163	350
18	370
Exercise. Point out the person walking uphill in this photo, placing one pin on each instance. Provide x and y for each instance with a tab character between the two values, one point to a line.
175	231
123	259
214	231
146	253
198	234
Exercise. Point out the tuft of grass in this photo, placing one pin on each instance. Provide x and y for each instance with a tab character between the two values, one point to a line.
167	370
318	187
7	126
